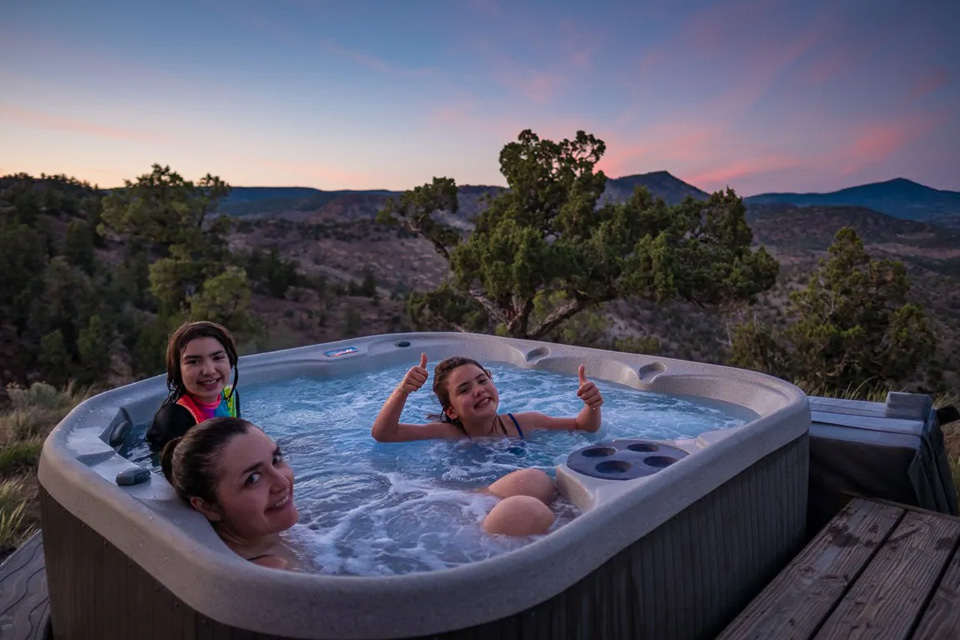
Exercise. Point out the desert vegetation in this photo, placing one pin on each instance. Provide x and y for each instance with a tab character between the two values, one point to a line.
842	301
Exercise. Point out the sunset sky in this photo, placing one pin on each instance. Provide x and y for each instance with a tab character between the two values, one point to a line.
811	95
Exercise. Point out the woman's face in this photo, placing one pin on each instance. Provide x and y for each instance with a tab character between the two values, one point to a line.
205	369
472	394
255	487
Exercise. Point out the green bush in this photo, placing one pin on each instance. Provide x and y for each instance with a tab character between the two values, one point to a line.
19	456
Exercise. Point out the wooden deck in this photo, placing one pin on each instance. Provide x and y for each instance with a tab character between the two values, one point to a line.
878	570
24	603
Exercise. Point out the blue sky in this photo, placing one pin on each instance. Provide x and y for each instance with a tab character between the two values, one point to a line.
759	95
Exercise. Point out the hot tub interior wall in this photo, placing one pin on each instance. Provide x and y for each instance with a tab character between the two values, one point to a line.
685	580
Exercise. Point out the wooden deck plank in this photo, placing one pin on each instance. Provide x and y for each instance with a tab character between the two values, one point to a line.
941	621
888	598
801	597
24	603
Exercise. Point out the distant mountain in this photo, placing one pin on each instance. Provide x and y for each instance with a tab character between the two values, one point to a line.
294	202
900	198
659	183
246	201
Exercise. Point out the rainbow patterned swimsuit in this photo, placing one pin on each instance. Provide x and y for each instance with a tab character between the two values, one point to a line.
227	407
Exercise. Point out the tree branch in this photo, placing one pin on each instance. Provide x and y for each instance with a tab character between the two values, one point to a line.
442	250
564	311
489	305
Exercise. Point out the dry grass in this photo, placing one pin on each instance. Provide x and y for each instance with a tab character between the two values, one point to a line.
35	412
16	525
951	436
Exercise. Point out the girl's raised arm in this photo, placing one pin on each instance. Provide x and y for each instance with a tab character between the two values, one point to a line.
388	428
588	419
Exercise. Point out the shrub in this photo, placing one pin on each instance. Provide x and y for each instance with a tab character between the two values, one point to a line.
19	456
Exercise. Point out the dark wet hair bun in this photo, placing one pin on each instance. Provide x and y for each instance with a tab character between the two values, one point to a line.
192	463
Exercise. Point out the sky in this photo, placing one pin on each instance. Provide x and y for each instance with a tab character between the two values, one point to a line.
757	95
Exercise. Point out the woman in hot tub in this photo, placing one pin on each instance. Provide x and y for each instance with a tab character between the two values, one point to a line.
233	473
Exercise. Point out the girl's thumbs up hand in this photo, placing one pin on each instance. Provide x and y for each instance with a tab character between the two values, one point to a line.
588	391
415	377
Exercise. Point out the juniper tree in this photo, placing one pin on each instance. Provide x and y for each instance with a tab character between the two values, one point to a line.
547	238
850	326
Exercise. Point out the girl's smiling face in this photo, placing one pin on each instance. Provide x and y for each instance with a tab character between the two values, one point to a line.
472	394
205	369
255	488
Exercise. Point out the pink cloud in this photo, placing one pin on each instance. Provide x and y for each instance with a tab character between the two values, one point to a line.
652	60
535	86
321	174
580	43
107	176
259	22
836	62
712	28
725	175
662	146
455	114
582	59
615	160
372	62
488	7
745	61
568	50
930	83
41	120
878	141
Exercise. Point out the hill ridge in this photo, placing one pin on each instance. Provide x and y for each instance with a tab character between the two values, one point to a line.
899	197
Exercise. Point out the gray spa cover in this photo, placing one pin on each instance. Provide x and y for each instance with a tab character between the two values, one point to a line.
892	450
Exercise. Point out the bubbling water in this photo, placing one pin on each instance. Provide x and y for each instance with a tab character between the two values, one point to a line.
369	508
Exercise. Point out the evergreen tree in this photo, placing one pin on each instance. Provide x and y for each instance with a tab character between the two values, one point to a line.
78	246
162	209
224	298
54	363
850	326
93	346
546	237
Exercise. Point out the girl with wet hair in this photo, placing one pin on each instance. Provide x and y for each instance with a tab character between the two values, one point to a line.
470	403
235	475
200	357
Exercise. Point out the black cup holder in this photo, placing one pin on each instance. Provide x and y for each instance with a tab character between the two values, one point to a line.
598	452
623	459
614	466
659	461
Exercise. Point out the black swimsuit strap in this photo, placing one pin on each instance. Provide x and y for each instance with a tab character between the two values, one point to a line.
260	556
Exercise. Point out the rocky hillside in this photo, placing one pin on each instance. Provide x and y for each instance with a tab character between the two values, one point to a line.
301	203
340	239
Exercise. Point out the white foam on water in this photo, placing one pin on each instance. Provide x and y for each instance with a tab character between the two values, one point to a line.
368	508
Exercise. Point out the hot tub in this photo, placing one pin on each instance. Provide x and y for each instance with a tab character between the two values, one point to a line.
672	554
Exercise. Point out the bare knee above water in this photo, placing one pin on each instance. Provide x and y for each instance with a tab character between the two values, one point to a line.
519	516
525	482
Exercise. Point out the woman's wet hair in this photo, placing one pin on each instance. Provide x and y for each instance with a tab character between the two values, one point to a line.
179	340
191	463
440	374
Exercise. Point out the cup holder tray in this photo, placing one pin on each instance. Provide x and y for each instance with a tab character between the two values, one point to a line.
624	459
